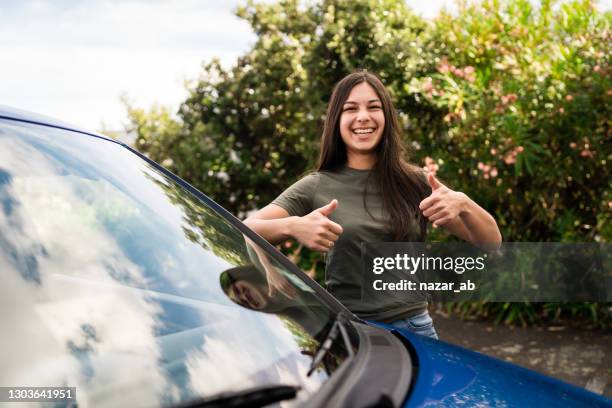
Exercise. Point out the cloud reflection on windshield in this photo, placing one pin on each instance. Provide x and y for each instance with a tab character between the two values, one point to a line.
79	321
104	289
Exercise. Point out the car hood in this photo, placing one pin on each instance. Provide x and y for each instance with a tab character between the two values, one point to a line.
450	376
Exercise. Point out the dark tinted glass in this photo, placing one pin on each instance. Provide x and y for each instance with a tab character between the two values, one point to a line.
119	282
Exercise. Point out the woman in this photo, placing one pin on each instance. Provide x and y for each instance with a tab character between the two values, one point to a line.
365	191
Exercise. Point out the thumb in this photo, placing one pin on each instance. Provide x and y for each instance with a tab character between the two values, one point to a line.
433	181
326	210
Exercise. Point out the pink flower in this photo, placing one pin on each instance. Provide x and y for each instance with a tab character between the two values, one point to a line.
480	166
444	67
469	70
520	149
494	172
561	110
510	98
596	68
430	165
493	151
486	168
569	98
573	145
510	159
427	85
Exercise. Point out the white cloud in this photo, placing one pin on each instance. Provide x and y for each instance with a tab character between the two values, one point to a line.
73	59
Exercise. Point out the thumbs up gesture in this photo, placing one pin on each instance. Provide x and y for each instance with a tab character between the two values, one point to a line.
328	209
315	230
443	205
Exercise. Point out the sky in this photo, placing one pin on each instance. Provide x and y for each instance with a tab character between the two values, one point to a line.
74	59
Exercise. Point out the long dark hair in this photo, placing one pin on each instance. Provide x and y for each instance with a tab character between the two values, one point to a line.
402	185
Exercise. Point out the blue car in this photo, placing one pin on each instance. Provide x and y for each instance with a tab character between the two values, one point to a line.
124	286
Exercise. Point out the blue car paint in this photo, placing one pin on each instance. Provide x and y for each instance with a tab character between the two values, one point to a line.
451	376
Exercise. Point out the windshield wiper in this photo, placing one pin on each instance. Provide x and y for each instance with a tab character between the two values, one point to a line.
339	325
251	397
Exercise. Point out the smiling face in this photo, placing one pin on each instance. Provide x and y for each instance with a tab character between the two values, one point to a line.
247	295
362	121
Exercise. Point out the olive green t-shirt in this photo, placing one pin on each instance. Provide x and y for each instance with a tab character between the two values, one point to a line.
343	272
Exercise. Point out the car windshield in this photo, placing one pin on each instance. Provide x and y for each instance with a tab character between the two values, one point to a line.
119	282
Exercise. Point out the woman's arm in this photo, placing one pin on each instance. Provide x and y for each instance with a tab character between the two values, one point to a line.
271	222
475	225
461	216
314	230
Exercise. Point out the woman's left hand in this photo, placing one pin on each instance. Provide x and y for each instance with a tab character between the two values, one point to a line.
443	205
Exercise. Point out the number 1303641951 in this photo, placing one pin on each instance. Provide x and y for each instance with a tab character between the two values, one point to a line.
33	394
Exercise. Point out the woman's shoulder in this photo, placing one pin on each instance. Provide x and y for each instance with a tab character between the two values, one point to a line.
308	182
314	176
310	177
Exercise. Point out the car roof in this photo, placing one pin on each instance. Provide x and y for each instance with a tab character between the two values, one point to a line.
9	112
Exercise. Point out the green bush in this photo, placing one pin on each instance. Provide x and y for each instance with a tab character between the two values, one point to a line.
587	315
526	130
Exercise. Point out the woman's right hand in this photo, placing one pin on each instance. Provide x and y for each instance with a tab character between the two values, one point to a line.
315	230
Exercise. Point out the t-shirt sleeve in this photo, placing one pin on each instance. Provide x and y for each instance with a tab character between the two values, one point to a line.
298	198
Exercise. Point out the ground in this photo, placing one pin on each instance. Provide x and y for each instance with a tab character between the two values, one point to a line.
580	357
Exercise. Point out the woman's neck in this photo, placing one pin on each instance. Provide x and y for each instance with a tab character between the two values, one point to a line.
361	161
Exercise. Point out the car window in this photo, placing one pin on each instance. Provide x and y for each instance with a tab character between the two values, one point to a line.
119	282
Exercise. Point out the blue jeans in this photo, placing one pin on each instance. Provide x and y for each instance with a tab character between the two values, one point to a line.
420	324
